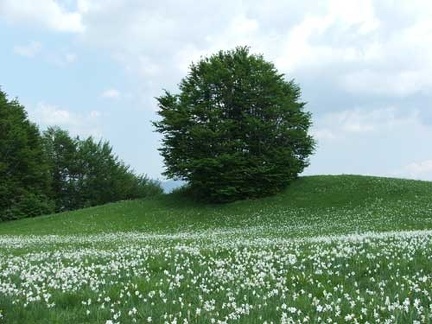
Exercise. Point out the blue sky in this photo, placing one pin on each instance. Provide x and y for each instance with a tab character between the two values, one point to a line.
94	67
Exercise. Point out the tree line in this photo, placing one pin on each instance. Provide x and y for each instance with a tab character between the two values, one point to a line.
51	171
237	129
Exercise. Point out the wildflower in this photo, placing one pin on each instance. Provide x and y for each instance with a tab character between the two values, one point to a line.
349	317
132	312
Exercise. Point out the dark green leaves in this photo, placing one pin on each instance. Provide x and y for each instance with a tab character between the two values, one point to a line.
40	174
24	176
237	129
88	173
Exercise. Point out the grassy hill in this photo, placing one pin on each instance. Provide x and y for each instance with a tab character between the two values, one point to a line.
310	206
334	249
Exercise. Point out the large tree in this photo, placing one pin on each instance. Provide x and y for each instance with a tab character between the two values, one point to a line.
236	130
24	175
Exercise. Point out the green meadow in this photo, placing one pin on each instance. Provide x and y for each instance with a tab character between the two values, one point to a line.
330	249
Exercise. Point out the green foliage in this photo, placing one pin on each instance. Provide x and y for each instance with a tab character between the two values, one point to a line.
237	129
24	176
144	187
32	205
87	173
103	178
62	154
40	174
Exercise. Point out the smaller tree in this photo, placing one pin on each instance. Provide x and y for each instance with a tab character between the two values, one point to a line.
61	150
236	130
103	177
87	173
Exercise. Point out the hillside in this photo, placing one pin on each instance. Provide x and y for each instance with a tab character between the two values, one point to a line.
313	205
330	249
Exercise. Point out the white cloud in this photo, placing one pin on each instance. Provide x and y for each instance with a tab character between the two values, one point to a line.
306	44
364	38
399	83
82	124
53	56
419	170
338	125
111	94
400	65
30	50
60	57
70	57
46	13
359	44
380	142
323	134
147	67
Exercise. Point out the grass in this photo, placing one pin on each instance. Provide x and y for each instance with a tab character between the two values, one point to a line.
330	249
340	203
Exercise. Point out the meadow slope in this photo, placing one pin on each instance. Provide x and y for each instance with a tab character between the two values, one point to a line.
330	249
314	205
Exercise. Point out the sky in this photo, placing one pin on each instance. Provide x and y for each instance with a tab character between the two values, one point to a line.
94	67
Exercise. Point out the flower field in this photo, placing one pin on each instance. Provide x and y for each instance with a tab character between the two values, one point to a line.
220	277
283	260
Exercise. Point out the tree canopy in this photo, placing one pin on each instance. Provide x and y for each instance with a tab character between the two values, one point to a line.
52	172
236	130
86	173
24	175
